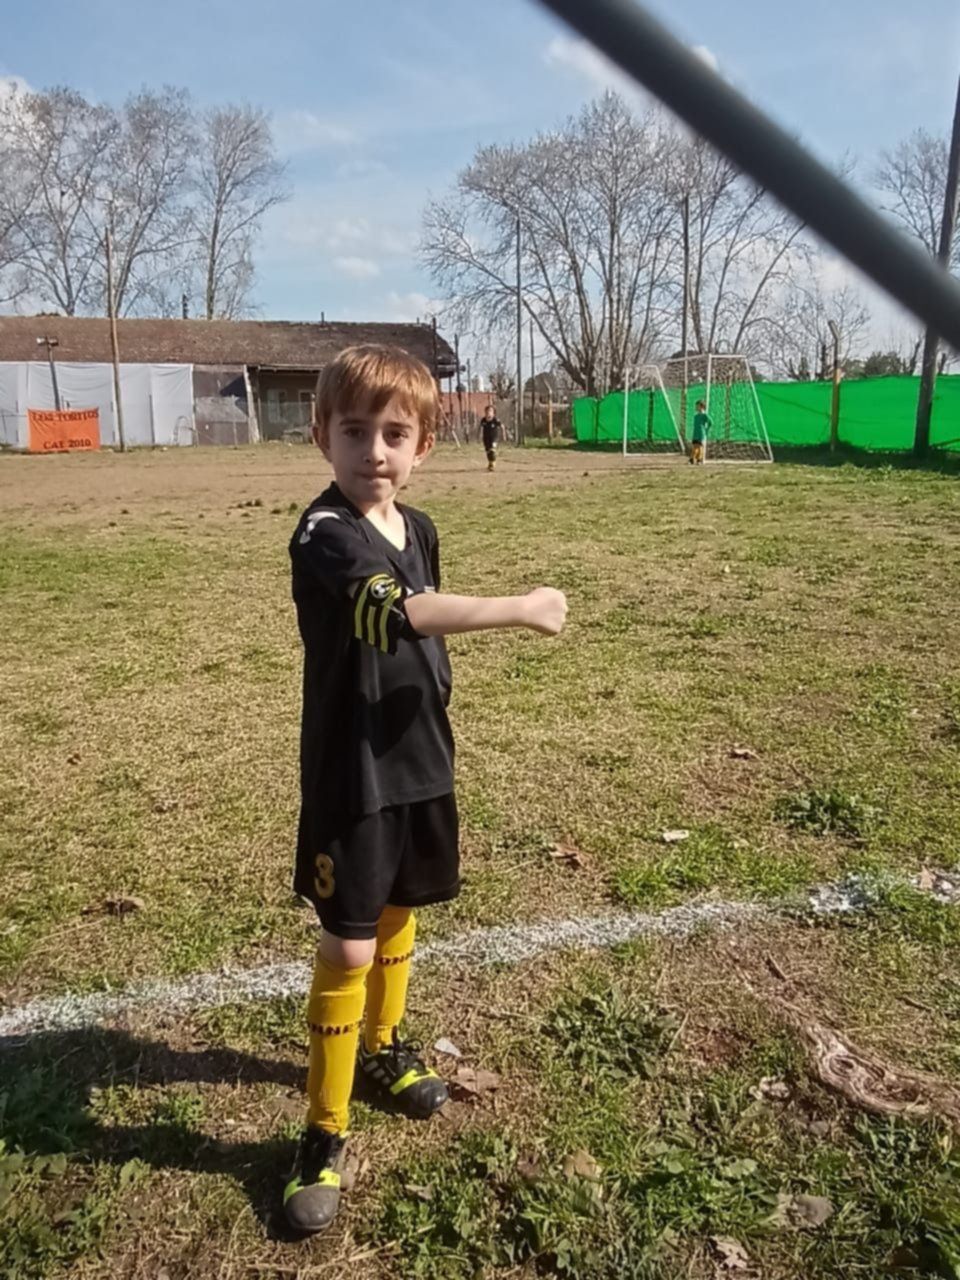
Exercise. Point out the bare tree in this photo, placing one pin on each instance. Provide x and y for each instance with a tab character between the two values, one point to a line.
594	221
912	179
148	198
800	338
184	200
239	180
56	148
598	203
744	251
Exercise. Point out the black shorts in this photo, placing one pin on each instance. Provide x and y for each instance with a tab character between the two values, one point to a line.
404	856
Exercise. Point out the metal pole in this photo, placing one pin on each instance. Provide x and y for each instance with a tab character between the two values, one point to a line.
519	343
835	402
626	408
709	389
931	346
112	311
646	50
685	323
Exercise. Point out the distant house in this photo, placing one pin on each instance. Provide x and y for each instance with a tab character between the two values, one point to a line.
186	381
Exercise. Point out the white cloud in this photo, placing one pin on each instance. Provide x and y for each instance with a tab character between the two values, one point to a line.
360	168
408	307
357	268
297	131
10	85
303	227
13	84
708	56
570	53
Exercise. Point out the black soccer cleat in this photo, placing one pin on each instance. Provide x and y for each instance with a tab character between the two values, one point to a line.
311	1197
399	1075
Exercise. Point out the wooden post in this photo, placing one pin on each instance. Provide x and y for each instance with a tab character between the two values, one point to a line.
835	402
114	343
931	347
549	412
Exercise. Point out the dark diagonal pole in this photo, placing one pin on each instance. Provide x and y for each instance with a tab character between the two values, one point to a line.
635	41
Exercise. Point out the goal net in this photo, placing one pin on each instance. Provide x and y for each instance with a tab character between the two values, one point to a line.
737	431
648	420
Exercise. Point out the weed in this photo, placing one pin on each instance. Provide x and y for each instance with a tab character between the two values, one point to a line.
951	713
603	1034
712	859
913	915
828	812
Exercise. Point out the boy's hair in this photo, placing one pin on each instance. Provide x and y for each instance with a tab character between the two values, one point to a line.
486	407
369	377
701	404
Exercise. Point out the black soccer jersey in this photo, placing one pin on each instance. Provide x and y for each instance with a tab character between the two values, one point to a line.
375	730
490	430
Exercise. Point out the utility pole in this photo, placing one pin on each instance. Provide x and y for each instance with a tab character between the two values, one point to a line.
470	409
931	347
50	343
456	349
835	403
519	343
112	312
533	390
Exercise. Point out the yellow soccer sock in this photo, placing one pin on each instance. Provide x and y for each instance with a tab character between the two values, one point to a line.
334	1012
389	976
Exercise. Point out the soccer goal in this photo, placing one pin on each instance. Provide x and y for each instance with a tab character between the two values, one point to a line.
649	422
725	384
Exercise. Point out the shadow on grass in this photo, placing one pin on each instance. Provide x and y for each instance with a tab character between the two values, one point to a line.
943	461
55	1097
939	460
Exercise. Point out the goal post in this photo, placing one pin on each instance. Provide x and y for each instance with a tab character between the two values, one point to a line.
724	383
648	421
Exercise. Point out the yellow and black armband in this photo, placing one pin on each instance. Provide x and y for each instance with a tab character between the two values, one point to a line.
378	615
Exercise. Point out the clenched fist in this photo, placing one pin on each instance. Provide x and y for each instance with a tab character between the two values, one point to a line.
545	610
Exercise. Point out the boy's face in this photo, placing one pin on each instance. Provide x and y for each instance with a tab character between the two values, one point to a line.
372	454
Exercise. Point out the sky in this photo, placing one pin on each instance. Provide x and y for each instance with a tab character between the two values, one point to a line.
376	105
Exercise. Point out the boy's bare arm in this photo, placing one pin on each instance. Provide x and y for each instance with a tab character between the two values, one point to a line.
436	614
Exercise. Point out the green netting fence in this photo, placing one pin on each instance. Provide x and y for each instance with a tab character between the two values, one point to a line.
876	414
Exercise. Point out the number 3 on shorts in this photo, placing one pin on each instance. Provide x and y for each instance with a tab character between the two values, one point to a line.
323	882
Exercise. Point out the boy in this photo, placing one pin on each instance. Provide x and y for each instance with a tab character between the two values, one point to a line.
701	425
491	432
378	824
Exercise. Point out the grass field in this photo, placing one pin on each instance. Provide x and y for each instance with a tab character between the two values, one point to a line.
768	658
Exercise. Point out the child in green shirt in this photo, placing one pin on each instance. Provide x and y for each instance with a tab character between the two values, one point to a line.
701	425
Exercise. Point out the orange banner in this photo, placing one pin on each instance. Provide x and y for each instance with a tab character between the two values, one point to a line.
57	431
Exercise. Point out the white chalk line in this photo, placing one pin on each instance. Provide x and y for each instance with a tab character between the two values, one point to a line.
502	944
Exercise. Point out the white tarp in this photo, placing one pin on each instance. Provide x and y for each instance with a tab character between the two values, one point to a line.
157	400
